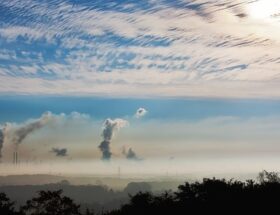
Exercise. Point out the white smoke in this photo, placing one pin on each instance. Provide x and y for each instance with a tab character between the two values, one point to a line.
15	133
110	127
140	113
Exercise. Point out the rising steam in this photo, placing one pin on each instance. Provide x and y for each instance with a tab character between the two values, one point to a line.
14	134
130	154
109	128
140	113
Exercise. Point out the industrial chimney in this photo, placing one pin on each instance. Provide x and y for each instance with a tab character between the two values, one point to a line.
15	158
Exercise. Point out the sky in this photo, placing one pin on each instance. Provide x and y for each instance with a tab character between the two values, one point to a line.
141	48
147	83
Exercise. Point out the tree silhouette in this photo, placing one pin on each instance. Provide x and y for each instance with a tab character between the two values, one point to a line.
268	177
6	206
139	204
50	203
209	196
89	212
165	203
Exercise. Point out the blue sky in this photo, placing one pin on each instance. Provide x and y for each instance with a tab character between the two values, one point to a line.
21	108
182	48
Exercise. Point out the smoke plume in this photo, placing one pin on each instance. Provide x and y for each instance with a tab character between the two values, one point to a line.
15	134
59	152
130	154
110	127
140	113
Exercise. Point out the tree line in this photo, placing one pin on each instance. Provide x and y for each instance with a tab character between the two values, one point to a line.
209	196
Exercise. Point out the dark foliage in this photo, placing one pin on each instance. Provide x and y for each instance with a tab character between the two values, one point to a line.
211	196
6	206
50	203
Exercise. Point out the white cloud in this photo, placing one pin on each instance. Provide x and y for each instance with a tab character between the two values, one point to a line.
140	113
209	51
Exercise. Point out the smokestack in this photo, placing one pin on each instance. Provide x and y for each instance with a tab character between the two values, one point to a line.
119	172
15	158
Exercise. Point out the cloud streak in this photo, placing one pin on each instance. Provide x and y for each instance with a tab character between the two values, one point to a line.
141	45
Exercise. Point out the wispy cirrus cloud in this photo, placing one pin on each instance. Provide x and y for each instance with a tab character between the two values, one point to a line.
183	48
